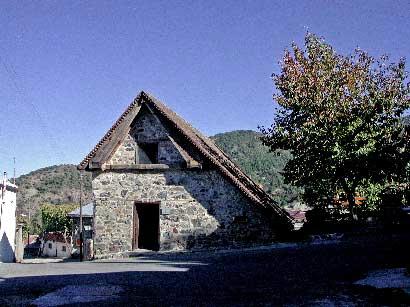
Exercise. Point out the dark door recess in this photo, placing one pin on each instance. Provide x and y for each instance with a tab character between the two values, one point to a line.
146	226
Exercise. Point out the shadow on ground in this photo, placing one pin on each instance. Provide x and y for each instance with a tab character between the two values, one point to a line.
307	275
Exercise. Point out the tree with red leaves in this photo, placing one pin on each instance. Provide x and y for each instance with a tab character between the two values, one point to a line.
341	118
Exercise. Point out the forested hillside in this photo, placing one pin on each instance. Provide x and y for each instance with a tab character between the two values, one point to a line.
55	184
247	150
60	184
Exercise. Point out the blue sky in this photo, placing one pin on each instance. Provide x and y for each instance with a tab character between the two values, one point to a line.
69	68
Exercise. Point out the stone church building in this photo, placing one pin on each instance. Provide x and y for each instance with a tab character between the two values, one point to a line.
159	184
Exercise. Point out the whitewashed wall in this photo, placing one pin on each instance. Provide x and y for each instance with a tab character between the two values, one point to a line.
8	223
51	252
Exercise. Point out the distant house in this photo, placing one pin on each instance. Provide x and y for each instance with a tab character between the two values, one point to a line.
7	219
299	217
55	244
31	239
160	184
88	214
32	246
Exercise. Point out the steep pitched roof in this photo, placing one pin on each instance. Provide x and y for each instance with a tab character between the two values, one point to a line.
205	146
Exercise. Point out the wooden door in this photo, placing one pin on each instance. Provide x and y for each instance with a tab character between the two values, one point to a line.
135	228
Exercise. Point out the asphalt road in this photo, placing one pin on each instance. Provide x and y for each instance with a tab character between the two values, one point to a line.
303	275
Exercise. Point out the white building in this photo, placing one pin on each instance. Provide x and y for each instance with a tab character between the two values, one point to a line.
7	219
55	244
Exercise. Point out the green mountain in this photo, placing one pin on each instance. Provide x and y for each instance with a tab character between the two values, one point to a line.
61	183
54	184
255	159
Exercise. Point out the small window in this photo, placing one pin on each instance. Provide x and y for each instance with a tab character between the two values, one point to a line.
63	248
151	150
50	245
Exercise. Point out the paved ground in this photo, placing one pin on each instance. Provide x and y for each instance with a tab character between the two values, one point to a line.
306	275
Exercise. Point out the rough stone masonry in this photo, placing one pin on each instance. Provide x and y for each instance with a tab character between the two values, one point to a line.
152	156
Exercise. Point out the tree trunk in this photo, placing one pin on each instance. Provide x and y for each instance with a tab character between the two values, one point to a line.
352	203
350	190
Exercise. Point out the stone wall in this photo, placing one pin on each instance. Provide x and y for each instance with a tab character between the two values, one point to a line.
199	208
146	129
202	209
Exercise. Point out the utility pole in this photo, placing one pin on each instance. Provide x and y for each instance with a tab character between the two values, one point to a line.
14	171
29	221
2	192
55	234
81	216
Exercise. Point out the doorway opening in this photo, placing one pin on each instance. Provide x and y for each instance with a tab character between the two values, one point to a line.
146	226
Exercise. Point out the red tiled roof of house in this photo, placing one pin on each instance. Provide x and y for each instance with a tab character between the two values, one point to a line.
297	215
55	236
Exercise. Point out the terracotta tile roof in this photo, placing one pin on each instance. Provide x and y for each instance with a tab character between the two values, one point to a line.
106	137
297	215
205	146
32	239
55	236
